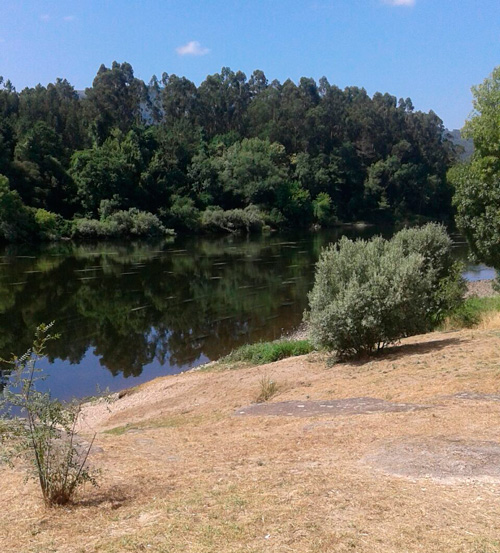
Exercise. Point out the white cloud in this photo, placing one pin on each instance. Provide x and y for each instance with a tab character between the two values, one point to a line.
45	17
193	48
69	18
400	2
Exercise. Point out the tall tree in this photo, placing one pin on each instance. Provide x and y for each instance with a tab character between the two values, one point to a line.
477	183
114	100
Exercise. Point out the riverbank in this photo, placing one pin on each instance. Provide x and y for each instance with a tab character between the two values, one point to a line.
480	288
191	464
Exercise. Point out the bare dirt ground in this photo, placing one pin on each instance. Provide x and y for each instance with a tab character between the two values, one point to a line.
480	288
183	470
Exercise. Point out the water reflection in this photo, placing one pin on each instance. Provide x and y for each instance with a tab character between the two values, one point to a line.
140	310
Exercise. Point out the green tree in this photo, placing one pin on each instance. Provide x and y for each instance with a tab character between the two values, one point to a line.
253	170
477	183
45	182
17	222
322	208
114	100
112	171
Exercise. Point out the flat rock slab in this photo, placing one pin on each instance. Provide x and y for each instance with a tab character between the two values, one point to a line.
349	406
443	459
474	396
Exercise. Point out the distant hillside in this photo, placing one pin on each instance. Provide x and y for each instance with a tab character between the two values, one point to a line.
466	146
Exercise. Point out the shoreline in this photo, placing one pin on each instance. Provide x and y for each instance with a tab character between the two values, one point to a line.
480	288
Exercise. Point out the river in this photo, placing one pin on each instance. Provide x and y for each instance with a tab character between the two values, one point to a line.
127	313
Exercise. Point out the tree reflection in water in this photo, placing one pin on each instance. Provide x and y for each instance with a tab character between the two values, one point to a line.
175	304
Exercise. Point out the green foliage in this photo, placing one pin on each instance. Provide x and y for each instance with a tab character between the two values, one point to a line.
42	176
183	214
113	100
262	353
247	220
369	294
121	224
466	315
17	222
107	172
51	226
484	125
295	204
477	183
251	171
47	436
435	246
470	312
322	209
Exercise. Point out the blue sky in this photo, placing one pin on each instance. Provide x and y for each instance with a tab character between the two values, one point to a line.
430	50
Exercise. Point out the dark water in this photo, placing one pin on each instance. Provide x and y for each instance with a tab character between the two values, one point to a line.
128	313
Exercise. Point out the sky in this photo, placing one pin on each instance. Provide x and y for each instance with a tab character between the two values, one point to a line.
432	51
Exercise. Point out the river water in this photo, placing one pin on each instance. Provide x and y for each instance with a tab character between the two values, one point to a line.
127	313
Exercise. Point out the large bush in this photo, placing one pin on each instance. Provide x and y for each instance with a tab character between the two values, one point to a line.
368	294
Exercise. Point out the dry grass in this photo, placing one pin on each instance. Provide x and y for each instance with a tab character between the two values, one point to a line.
182	473
489	321
267	388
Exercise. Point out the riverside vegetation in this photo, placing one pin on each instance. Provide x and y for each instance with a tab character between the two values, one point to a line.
369	294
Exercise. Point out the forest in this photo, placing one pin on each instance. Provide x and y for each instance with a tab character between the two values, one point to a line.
125	158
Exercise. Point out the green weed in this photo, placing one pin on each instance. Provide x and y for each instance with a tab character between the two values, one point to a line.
262	353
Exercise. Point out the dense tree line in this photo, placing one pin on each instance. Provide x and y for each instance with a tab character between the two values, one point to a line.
201	156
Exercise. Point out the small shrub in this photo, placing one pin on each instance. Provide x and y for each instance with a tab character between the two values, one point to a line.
465	316
369	294
183	214
268	352
274	219
323	209
472	312
247	220
268	389
132	223
51	226
46	436
87	229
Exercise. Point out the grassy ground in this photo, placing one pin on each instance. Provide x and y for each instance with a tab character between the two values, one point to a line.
183	473
475	312
262	353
